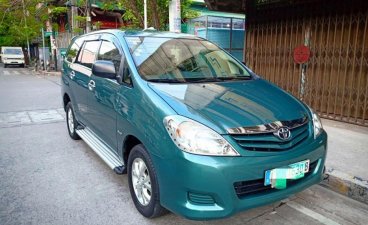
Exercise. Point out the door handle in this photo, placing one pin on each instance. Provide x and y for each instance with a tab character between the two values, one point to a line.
72	75
91	85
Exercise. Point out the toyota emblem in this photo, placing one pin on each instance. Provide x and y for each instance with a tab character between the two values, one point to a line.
283	133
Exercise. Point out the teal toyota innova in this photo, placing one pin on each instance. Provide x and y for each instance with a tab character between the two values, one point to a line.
196	131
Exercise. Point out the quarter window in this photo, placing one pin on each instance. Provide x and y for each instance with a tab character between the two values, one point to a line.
110	52
88	55
73	50
127	74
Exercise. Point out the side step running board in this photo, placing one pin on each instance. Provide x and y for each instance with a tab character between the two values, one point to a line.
102	150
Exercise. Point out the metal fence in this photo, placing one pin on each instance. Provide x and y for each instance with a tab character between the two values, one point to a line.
224	31
336	83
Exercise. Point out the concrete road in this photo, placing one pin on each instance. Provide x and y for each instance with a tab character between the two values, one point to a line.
47	178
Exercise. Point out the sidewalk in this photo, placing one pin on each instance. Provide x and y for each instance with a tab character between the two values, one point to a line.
44	72
49	73
347	159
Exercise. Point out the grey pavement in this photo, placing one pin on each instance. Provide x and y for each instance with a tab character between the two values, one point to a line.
347	159
48	178
347	148
20	91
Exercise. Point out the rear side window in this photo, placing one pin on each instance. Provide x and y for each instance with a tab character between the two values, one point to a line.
73	50
110	52
88	55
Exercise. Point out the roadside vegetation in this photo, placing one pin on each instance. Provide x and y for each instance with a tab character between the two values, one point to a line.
20	19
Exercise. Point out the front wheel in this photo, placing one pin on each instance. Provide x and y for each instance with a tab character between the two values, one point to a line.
143	183
71	122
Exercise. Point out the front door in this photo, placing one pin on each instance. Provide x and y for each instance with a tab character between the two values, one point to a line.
102	97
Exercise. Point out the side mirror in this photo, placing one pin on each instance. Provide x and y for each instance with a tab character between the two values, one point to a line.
104	68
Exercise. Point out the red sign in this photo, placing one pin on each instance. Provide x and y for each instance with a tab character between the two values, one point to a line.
301	54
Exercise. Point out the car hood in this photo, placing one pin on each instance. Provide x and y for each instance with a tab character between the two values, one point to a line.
231	104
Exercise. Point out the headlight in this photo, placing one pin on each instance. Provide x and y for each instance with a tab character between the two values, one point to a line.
317	124
193	137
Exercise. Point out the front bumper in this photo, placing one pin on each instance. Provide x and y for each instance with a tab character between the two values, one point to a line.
202	187
13	61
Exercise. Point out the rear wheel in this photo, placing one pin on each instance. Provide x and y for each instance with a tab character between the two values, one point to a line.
71	122
143	183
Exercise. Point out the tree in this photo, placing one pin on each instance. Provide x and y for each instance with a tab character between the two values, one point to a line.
13	29
157	10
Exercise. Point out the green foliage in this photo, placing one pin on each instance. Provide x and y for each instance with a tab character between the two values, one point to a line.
55	26
157	10
56	11
186	11
109	5
81	3
78	30
97	24
80	18
13	29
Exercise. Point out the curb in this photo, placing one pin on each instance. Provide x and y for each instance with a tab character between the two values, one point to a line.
49	73
350	186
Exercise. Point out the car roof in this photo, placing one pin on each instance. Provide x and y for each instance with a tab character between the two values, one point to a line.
144	33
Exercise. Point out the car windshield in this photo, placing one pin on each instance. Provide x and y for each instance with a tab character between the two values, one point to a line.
181	60
13	51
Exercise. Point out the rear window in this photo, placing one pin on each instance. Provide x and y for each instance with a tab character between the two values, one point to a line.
13	51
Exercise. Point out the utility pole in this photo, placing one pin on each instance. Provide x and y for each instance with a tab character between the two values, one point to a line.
145	14
72	15
25	23
174	16
88	17
43	50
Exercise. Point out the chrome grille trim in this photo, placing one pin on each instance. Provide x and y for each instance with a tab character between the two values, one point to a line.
269	127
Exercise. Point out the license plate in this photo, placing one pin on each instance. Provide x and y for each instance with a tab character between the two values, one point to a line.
277	177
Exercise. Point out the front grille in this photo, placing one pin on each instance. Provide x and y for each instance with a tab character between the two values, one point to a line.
268	142
246	188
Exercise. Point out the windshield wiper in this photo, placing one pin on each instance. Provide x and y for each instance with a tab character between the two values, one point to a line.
216	79
235	78
165	81
202	80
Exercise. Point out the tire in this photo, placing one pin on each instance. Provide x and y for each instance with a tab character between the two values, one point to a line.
148	207
5	65
71	122
23	65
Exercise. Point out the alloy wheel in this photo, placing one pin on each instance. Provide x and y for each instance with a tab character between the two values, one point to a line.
70	121
141	181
